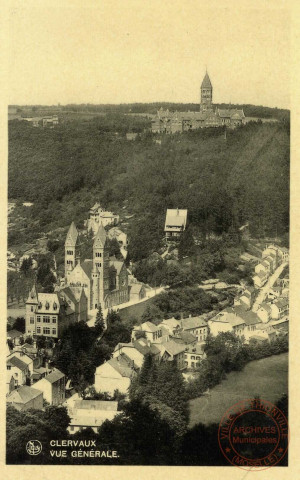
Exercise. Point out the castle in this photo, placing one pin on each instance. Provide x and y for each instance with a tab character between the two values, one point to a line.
103	279
173	122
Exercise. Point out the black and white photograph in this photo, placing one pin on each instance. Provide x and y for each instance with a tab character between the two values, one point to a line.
148	226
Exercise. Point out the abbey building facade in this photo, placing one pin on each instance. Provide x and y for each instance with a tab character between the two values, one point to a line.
208	116
104	279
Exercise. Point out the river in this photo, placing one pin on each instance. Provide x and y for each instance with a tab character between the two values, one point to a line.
266	378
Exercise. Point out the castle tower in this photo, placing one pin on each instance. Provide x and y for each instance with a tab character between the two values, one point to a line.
206	94
31	308
100	272
70	249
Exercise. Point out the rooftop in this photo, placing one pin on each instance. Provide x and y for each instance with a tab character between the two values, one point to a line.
193	322
16	362
54	376
23	395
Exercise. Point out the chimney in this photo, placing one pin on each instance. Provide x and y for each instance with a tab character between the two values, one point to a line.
78	259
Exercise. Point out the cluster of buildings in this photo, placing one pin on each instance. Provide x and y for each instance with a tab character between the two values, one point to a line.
272	257
49	121
181	341
102	281
174	122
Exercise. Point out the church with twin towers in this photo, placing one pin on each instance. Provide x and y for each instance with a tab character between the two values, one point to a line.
104	279
166	121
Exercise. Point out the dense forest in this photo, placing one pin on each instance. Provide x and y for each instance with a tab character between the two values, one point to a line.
223	182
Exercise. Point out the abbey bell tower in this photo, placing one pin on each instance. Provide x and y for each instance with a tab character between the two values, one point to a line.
206	94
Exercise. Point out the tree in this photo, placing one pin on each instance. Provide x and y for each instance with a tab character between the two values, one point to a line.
41	342
19	324
99	322
186	245
26	266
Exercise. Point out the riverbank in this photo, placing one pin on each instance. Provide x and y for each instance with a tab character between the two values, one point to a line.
266	378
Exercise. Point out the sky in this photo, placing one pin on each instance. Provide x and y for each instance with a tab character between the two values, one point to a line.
124	51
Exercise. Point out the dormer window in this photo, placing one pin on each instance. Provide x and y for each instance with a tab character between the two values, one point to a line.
47	306
54	306
39	305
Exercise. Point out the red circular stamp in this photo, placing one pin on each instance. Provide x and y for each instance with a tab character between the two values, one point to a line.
253	434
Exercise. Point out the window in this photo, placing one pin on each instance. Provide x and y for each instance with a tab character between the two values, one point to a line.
46	319
53	319
31	309
98	264
38	330
193	364
69	262
53	331
38	318
98	254
70	252
192	357
46	331
72	428
47	306
8	367
31	320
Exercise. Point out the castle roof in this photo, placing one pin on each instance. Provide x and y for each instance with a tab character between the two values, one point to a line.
33	295
87	267
100	238
117	264
206	83
72	236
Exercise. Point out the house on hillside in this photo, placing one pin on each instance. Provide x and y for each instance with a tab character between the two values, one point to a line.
193	356
25	398
264	312
197	326
53	387
152	332
280	308
175	223
98	216
18	369
173	351
115	374
47	314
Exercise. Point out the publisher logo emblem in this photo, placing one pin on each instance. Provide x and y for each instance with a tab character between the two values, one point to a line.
33	447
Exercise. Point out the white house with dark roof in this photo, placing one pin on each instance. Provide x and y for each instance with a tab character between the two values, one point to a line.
175	223
193	355
18	369
197	326
173	351
47	314
53	387
280	308
98	216
264	312
115	374
152	332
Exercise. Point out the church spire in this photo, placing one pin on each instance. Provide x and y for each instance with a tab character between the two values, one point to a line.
72	236
100	237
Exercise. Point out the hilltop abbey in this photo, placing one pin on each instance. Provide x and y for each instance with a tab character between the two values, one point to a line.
173	122
103	279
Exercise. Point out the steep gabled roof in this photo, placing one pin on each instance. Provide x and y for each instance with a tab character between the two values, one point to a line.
54	376
87	267
72	236
16	362
206	83
100	238
23	395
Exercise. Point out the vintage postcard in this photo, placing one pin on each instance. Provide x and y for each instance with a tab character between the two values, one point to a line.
148	239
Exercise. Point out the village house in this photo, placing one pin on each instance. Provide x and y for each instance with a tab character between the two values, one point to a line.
185	338
279	308
47	314
152	332
175	224
25	398
25	358
172	325
18	369
98	216
259	279
90	414
173	351
53	387
264	312
115	374
193	356
197	326
226	321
